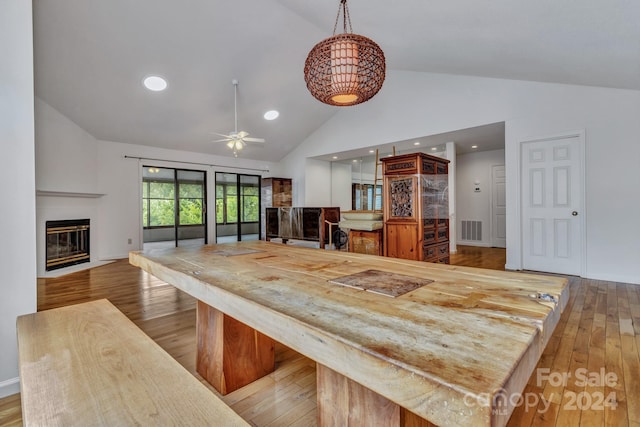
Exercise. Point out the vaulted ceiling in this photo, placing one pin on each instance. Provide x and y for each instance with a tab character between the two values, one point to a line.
92	55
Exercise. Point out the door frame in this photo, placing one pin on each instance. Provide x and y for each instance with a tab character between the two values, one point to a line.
159	164
492	212
580	135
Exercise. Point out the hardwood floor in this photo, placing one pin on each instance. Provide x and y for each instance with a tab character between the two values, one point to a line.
599	333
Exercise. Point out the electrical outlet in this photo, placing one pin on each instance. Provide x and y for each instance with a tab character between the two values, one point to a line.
130	240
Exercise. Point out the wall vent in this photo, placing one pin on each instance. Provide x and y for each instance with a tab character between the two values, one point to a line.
472	231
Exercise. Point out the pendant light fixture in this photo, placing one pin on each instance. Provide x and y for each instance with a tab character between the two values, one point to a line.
345	69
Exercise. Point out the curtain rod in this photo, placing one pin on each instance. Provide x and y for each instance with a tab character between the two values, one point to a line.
195	163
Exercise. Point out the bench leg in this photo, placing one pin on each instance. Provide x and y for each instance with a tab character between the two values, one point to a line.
230	354
344	402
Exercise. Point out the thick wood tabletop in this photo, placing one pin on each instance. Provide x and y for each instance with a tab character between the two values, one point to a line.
442	351
88	365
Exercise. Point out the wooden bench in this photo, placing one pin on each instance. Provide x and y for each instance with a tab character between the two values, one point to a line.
88	364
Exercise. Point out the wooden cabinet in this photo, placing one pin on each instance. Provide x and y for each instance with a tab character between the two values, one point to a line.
301	223
275	193
365	242
416	214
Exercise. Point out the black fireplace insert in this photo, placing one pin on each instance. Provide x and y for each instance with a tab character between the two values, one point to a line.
67	243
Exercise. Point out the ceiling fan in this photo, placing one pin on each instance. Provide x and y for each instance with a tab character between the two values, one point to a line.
237	140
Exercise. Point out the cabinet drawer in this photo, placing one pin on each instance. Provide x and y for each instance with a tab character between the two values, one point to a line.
428	166
436	253
429	223
442	168
429	237
442	234
442	222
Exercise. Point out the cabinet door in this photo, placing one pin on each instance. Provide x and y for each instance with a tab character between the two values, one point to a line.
401	241
401	192
365	242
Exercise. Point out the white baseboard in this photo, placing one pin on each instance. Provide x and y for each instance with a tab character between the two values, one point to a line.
473	243
613	278
512	267
9	387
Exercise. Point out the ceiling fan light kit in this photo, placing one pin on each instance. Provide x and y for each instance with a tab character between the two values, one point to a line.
237	140
345	69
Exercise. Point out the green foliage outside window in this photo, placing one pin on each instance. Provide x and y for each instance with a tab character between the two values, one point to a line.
227	203
250	204
158	207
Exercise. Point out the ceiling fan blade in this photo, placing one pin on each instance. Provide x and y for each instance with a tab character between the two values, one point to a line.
223	140
253	139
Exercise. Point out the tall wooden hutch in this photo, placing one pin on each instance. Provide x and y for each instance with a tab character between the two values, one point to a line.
276	193
416	214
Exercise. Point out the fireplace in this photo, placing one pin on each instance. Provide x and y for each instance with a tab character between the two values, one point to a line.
67	243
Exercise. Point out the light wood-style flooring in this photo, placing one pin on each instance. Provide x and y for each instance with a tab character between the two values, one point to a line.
597	342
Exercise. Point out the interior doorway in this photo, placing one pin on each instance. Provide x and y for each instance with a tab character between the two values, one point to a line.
174	206
237	207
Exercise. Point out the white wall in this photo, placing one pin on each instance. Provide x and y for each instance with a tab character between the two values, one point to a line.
17	183
317	184
412	105
341	193
470	205
66	155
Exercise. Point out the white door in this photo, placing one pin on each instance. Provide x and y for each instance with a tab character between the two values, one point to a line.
552	201
498	207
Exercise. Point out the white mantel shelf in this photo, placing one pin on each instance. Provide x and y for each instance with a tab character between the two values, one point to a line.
48	193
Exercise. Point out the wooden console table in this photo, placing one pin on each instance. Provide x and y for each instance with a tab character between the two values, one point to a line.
437	354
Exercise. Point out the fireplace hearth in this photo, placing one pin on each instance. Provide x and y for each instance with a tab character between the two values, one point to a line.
67	243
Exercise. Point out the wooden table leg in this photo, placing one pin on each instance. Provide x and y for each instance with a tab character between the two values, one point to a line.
344	402
230	354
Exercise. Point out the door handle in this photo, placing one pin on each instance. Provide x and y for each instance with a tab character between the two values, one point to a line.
574	213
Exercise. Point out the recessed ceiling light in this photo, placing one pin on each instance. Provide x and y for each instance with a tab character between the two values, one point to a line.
416	143
155	83
372	151
271	115
389	155
474	146
434	148
355	160
334	157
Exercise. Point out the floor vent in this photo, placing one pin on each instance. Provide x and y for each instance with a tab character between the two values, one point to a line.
472	230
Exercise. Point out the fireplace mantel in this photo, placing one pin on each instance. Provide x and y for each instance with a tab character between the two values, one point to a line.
49	193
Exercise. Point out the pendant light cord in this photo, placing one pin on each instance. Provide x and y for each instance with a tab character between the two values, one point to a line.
346	18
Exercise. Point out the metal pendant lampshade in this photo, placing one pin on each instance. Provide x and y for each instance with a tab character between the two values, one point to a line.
345	69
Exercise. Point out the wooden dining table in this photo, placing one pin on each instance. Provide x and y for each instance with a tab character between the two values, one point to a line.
396	342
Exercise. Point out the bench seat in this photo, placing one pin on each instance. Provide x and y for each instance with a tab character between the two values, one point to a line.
88	364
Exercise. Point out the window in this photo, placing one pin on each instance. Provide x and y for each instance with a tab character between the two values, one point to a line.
250	202
226	203
158	203
191	199
362	197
